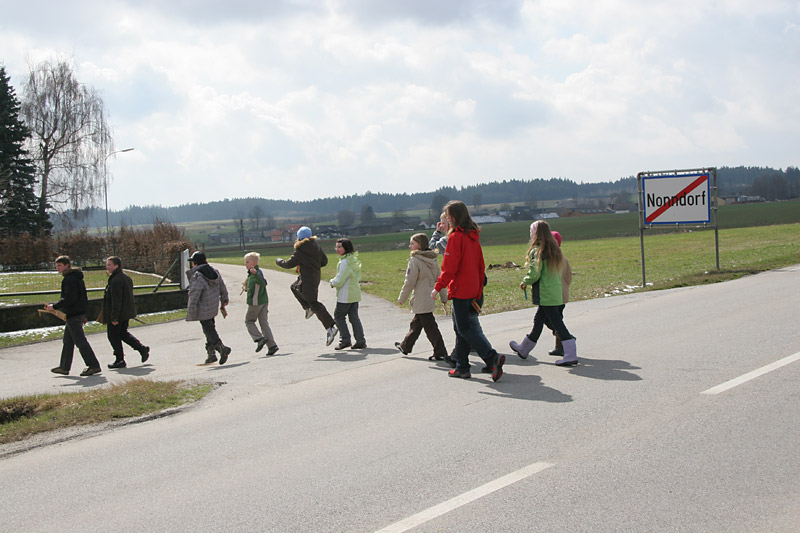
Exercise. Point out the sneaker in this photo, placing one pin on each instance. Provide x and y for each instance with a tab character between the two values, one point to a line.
360	345
557	352
455	373
145	352
486	370
450	360
91	371
497	371
332	331
309	313
342	345
273	350
261	343
59	370
119	363
400	347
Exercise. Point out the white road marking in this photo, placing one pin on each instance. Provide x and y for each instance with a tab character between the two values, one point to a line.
465	498
752	375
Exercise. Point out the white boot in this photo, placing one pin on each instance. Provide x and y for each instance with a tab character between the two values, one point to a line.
523	349
570	354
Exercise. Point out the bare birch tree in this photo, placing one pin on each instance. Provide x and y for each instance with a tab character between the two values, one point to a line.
70	136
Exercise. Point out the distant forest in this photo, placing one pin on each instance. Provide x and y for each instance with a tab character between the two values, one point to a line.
766	182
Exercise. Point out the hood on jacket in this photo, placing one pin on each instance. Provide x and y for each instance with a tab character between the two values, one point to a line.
206	271
427	254
73	271
299	243
352	260
471	234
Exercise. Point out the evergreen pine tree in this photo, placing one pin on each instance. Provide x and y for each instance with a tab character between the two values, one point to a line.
18	201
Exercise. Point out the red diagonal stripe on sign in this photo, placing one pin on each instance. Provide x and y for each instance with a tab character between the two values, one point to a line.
689	188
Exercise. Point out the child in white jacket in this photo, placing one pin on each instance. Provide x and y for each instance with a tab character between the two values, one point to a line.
348	294
421	274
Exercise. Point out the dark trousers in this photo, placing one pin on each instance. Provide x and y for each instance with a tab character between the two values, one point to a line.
74	336
469	335
119	334
350	311
550	315
210	331
308	299
550	326
427	322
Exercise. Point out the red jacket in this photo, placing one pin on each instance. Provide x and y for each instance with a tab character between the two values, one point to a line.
462	266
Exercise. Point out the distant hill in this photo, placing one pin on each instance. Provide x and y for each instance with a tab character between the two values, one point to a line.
730	180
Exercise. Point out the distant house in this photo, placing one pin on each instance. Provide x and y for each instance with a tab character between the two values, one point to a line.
388	225
291	230
489	219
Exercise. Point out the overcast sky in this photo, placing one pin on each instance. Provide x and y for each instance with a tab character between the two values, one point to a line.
301	99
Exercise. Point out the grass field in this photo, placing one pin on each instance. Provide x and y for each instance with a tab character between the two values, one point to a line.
51	281
601	267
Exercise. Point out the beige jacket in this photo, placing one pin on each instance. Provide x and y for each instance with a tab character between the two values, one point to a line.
421	274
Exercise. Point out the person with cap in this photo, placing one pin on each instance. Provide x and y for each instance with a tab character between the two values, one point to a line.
73	303
546	266
207	295
308	259
118	309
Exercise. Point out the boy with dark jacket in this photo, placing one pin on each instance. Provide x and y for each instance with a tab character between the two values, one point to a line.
73	304
118	309
309	258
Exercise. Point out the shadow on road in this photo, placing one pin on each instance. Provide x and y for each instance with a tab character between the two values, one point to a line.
521	387
605	369
136	371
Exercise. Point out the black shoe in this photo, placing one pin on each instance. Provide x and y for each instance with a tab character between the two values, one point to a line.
145	351
224	352
455	373
261	343
400	347
557	352
497	371
211	359
119	363
273	350
486	370
91	371
360	345
450	361
59	370
342	345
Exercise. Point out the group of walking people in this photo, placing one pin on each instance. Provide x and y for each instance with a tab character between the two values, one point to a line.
460	280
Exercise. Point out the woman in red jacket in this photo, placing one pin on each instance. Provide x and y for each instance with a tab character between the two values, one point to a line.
463	275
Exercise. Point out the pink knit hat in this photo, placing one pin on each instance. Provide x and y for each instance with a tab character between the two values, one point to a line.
557	237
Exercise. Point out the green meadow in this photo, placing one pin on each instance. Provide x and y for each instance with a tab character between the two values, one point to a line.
604	253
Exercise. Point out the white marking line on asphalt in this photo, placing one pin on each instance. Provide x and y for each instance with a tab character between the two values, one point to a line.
752	375
463	499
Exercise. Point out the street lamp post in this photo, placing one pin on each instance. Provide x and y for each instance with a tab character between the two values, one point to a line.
105	180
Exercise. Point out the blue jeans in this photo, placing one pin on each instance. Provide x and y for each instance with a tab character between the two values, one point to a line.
350	311
469	335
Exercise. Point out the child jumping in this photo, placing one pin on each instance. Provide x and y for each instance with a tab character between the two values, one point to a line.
547	263
421	275
348	294
257	305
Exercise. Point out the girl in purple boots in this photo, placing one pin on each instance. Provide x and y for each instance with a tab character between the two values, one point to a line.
546	263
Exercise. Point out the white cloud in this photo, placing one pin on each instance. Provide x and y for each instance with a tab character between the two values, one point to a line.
301	98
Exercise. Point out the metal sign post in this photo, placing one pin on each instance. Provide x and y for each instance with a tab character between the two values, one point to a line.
678	197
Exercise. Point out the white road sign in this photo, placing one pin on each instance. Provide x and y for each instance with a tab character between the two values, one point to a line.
671	199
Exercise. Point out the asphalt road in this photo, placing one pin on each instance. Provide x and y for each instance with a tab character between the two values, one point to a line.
632	439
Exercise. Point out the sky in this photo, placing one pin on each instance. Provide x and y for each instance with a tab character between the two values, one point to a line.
304	99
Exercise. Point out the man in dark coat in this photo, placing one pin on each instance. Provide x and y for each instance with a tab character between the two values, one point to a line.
73	304
309	258
118	309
